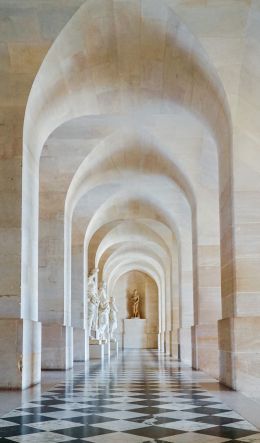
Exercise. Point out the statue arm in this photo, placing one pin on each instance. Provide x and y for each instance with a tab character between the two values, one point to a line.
114	306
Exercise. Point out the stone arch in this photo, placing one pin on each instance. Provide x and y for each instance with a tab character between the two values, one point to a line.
129	232
36	132
70	97
126	271
141	261
171	263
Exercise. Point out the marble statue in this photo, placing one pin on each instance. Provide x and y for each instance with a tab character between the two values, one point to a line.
112	318
103	312
135	298
93	302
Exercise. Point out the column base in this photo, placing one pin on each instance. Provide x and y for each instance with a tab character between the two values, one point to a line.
80	344
167	340
185	345
161	343
96	352
239	343
205	351
152	342
20	350
175	344
57	347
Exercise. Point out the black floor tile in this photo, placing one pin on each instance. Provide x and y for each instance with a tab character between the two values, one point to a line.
151	410
208	410
91	419
25	419
83	431
10	431
219	421
225	432
154	432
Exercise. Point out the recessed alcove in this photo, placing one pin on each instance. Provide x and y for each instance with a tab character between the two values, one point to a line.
149	306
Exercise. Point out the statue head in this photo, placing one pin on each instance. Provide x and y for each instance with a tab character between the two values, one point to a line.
93	271
93	274
103	285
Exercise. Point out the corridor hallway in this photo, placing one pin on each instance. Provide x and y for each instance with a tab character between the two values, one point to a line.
142	396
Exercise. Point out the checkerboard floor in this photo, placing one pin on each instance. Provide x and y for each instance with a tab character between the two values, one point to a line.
134	399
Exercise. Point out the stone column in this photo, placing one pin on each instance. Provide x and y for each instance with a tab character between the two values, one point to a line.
20	344
239	331
80	344
20	337
187	294
205	347
57	347
54	304
79	302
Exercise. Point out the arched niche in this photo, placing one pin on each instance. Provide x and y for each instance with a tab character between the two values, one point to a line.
125	284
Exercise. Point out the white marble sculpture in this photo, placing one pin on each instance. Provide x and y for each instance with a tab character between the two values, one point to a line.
103	312
112	318
93	302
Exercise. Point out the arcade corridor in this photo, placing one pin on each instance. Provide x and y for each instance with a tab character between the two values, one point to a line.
141	397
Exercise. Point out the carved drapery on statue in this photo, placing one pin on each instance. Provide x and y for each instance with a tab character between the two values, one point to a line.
93	302
103	312
135	299
112	318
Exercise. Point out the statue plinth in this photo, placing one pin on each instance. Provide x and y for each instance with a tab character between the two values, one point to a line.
114	347
95	341
135	335
113	340
96	349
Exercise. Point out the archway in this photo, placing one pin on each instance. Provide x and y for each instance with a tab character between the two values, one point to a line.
70	90
125	284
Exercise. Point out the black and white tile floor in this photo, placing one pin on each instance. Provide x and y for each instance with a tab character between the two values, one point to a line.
133	400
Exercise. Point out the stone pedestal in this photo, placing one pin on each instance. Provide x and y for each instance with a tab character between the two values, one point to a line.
135	333
80	344
57	347
114	348
205	351
107	348
239	344
20	347
96	350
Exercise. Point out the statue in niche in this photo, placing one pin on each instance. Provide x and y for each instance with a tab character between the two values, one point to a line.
135	299
112	318
103	312
93	302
